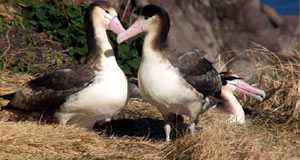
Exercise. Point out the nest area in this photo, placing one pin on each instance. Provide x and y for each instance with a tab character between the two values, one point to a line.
279	78
137	132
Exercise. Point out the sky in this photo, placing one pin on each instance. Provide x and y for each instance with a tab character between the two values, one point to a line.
283	7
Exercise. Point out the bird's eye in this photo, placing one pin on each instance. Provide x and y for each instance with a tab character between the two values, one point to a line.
106	11
146	18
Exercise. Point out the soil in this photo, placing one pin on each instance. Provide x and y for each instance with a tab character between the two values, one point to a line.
30	47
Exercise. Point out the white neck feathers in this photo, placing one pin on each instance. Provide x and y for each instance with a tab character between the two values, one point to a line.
237	113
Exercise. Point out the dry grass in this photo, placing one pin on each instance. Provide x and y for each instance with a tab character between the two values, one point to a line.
274	134
9	81
28	140
218	140
280	78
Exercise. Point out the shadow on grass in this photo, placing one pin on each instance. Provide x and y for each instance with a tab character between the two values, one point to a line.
142	127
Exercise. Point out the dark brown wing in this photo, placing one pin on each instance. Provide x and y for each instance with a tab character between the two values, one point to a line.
50	91
198	72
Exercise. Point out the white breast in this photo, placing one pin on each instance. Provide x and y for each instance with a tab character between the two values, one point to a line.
162	85
103	98
106	95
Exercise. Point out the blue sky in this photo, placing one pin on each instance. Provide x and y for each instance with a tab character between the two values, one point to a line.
283	7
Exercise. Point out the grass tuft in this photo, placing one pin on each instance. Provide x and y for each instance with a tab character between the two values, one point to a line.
280	79
218	140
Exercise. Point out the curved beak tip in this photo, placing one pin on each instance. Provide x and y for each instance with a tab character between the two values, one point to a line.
259	98
263	94
120	39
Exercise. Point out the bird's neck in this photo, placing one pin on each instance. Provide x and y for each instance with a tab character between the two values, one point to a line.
100	51
232	105
151	52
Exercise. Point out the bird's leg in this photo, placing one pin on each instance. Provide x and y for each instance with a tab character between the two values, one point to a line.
167	131
192	128
168	118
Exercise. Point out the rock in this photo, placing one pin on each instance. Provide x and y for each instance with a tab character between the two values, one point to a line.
272	15
227	28
289	34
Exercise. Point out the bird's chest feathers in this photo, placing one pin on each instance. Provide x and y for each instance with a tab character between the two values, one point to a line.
111	83
107	93
161	82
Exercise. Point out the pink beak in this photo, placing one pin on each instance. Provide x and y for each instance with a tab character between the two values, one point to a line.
116	26
133	30
248	90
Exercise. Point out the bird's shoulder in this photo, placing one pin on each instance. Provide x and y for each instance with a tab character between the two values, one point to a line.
189	63
198	71
64	78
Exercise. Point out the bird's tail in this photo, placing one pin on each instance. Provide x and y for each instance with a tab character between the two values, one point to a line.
210	102
8	96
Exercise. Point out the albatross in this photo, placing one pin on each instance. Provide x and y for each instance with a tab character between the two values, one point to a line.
82	94
232	83
176	83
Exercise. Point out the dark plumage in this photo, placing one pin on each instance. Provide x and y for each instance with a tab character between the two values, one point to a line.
48	92
228	76
199	73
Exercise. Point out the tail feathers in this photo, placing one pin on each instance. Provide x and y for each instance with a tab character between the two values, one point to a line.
210	102
9	107
8	96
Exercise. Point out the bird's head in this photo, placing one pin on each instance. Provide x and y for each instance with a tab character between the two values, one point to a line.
151	18
101	14
232	83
